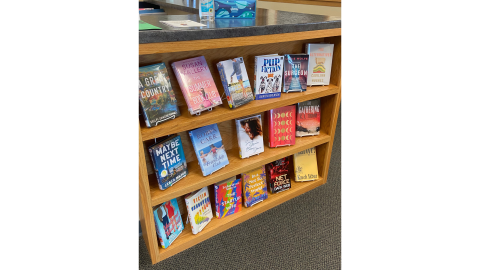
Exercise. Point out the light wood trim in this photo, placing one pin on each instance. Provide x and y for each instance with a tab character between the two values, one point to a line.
328	3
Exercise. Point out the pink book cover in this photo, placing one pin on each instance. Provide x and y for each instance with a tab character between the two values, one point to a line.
197	84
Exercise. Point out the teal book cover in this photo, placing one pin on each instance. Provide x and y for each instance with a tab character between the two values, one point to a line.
168	222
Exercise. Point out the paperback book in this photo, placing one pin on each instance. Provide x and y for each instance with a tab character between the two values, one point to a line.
168	222
305	164
281	124
308	118
199	209
235	9
156	95
197	84
279	175
254	186
235	82
268	76
320	63
168	161
209	148
295	73
250	135
228	197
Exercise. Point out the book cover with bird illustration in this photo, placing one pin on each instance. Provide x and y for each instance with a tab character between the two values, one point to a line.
305	165
199	209
168	222
254	186
295	72
250	135
235	82
228	197
320	63
281	124
268	76
209	148
278	175
308	118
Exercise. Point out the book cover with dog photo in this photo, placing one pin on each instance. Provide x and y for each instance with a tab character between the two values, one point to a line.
268	76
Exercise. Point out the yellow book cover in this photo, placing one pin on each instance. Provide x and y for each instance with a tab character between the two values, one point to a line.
254	186
305	163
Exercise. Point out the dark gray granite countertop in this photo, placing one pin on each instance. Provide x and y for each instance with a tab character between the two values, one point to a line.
267	22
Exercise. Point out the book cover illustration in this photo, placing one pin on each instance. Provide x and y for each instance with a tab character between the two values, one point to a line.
168	222
268	76
254	186
199	209
250	135
235	9
197	84
156	95
279	175
168	161
235	82
228	197
295	73
209	148
281	124
320	63
305	164
308	118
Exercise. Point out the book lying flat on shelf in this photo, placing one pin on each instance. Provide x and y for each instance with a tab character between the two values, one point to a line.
305	164
185	23
235	82
254	186
168	222
308	118
146	26
279	175
199	209
235	9
281	124
156	95
320	63
295	73
268	76
168	161
228	197
250	135
209	148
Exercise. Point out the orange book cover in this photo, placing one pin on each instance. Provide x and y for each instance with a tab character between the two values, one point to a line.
305	163
254	186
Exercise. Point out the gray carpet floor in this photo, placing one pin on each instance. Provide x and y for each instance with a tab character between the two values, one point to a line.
302	233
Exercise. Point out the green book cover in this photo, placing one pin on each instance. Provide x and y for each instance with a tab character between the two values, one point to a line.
146	26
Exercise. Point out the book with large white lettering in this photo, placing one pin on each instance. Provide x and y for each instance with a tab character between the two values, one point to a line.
295	73
250	135
268	76
199	209
168	161
209	148
308	118
320	63
279	175
156	95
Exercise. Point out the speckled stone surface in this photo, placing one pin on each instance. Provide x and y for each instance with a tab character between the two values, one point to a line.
267	22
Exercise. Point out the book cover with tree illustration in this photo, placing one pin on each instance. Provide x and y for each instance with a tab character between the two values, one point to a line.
278	175
168	222
228	197
254	186
305	164
320	63
308	118
199	209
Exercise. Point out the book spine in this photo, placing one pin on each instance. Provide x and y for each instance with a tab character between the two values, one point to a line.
223	77
238	126
182	87
196	152
217	204
255	80
271	135
145	115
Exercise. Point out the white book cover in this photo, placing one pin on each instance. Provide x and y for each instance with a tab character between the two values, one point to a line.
250	135
320	63
268	76
199	209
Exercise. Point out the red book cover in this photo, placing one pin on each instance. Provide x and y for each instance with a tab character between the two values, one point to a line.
308	118
278	175
281	124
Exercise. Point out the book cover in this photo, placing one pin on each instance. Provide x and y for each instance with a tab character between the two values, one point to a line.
168	222
268	76
228	197
235	82
209	148
281	124
156	95
199	209
295	72
320	63
279	175
197	84
305	164
308	118
168	161
254	186
250	135
235	9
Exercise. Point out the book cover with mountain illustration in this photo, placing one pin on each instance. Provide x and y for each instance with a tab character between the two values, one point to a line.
279	175
281	124
209	148
320	63
305	164
250	135
308	118
235	82
199	209
228	197
168	222
254	186
295	72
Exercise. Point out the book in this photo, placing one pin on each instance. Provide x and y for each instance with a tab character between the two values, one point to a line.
235	9
168	222
209	148
168	161
278	175
295	72
228	197
199	209
156	95
146	26
183	24
308	118
254	186
268	76
320	63
235	82
305	164
281	124
250	135
197	84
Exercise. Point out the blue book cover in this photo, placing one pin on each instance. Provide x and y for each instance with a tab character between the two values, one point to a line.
168	222
235	82
168	161
244	9
209	148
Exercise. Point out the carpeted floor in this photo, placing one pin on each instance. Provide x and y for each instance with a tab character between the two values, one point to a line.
303	233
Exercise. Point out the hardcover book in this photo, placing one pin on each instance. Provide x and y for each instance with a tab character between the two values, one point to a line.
168	222
295	73
209	148
279	175
268	76
308	118
168	161
235	82
320	63
281	124
197	84
250	135
156	95
228	197
305	164
199	209
235	9
254	186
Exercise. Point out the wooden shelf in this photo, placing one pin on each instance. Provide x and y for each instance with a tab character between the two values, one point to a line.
195	179
222	113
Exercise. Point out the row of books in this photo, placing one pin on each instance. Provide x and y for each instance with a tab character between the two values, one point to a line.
249	187
284	124
293	71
